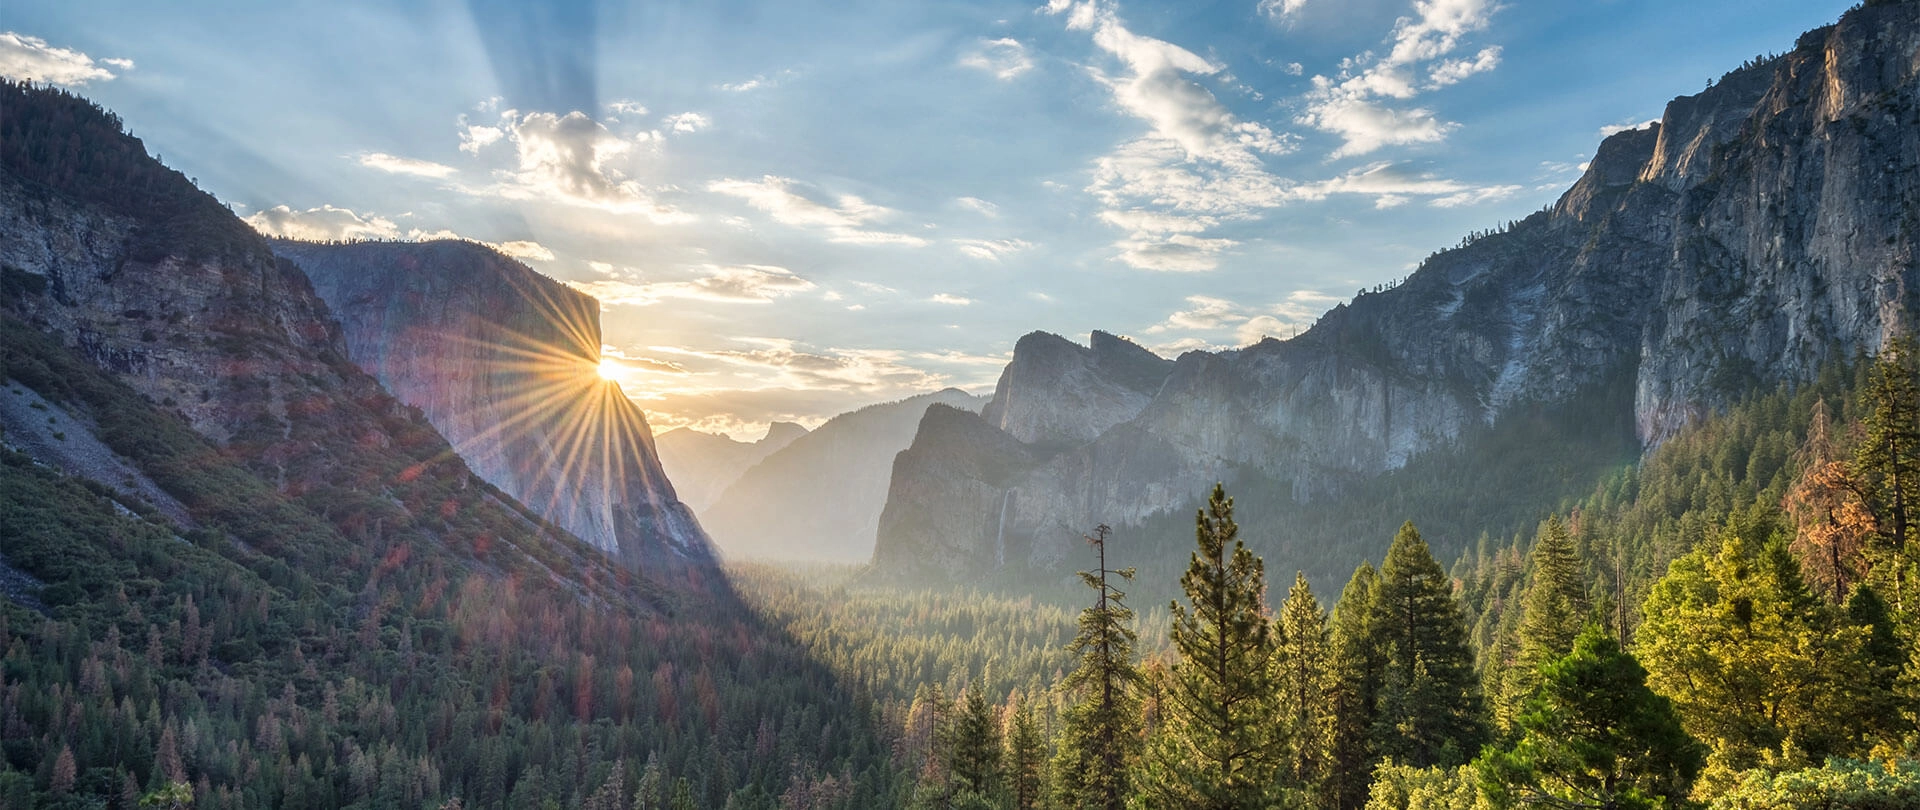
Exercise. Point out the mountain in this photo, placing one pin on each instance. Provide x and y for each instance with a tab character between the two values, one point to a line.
505	363
1760	230
703	465
820	497
1056	392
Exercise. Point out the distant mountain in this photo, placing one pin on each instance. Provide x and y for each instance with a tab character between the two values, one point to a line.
1761	230
820	497
504	362
703	465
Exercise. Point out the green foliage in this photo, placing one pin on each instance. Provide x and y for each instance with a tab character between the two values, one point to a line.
1100	733
1429	711
1218	745
1760	669
1358	664
1026	759
1304	675
1593	735
1841	784
1404	787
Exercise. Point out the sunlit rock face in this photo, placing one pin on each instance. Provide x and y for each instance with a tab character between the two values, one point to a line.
1762	229
504	362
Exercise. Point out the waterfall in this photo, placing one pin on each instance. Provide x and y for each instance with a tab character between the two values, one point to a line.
1000	541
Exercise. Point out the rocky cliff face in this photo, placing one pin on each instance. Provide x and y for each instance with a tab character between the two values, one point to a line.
110	262
703	465
1760	230
1056	392
505	363
820	497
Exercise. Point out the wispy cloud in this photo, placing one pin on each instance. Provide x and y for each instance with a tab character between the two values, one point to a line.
731	284
25	58
1210	322
1198	160
570	159
1359	104
402	165
951	300
844	221
687	122
979	205
991	249
1392	183
1005	58
333	224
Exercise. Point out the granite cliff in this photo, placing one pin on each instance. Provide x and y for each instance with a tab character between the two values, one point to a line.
1760	230
504	362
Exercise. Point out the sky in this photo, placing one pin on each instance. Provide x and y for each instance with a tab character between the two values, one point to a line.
792	209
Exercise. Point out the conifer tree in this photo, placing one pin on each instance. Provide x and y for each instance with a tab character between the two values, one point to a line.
1303	673
1100	734
1887	459
1593	736
1552	613
1430	708
1355	688
1026	758
1218	747
973	747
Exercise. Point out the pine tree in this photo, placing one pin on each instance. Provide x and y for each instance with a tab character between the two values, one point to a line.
973	748
1593	736
1887	460
1100	734
1833	523
1304	677
1218	747
1356	665
1552	613
1430	709
1026	758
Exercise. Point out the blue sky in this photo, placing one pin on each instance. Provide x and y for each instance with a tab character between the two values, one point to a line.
792	209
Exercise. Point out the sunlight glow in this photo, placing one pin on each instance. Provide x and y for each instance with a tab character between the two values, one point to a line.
609	370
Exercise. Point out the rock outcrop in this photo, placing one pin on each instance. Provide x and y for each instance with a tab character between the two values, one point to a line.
703	465
1761	229
1057	392
820	497
505	363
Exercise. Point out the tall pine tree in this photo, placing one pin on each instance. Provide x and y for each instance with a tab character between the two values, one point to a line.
1218	747
1026	758
1552	613
1357	662
1430	707
1887	461
1100	737
1303	672
973	745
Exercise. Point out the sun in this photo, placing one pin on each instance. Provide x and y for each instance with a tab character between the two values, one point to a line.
609	370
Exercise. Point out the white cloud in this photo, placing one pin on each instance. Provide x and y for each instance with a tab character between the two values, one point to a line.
1281	9
524	250
1453	71
738	284
626	107
31	59
1351	104
1212	322
844	222
991	249
323	224
1294	68
979	205
1610	129
950	300
1197	165
570	159
401	165
333	224
687	122
1004	58
1391	184
754	83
